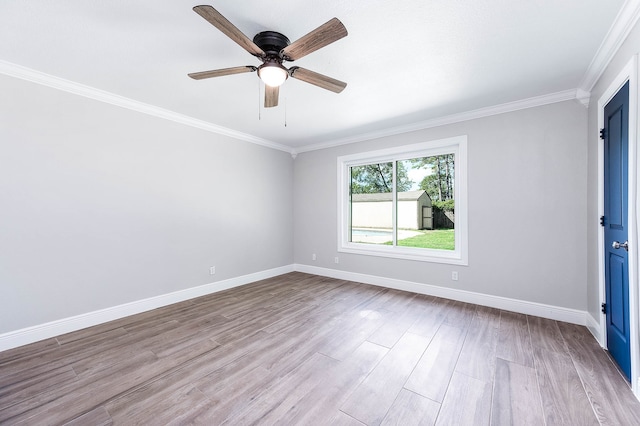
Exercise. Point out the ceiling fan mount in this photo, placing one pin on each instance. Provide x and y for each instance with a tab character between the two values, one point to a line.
271	42
273	48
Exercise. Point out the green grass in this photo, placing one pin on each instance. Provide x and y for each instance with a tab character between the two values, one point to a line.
441	239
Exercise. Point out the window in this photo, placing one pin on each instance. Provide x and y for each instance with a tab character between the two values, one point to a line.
408	202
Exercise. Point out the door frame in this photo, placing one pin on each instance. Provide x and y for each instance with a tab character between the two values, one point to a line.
629	73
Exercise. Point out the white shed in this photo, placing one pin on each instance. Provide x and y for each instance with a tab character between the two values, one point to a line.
374	210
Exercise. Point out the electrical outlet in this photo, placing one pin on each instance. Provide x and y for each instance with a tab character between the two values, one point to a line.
212	270
454	275
313	256
336	259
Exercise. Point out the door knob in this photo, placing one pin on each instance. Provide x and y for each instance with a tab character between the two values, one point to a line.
617	245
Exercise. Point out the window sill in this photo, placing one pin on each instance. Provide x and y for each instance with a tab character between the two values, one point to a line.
453	257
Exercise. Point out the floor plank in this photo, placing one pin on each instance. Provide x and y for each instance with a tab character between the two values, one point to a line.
601	379
433	372
397	322
371	400
409	408
563	398
229	398
431	317
516	398
17	391
342	419
276	400
65	403
96	417
467	402
546	336
514	340
478	356
339	383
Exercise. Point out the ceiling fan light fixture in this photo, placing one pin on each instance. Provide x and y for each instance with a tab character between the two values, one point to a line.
272	74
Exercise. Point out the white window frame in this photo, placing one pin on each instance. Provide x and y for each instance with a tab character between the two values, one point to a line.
456	145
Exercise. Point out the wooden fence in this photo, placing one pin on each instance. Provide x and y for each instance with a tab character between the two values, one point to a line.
443	219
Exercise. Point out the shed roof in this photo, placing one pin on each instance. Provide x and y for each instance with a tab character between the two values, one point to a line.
386	196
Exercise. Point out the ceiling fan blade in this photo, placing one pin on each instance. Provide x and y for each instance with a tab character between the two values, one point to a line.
325	34
271	96
220	22
221	72
317	79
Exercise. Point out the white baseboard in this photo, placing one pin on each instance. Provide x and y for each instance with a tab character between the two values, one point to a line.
36	333
595	329
557	313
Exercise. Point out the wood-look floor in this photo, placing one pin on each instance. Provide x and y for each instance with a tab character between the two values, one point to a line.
302	349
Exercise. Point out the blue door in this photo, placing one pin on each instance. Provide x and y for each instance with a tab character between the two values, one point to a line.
616	149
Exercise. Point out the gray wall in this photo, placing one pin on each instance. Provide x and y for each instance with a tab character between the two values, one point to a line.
101	206
630	47
528	166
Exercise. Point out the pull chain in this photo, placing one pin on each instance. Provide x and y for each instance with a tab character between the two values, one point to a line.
259	97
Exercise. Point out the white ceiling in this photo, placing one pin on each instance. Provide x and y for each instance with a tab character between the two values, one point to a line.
405	62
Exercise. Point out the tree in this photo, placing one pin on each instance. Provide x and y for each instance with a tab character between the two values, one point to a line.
440	183
376	178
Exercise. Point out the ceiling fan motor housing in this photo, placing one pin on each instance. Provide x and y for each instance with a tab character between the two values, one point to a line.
271	42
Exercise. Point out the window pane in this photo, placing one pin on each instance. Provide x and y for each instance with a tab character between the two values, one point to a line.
425	202
371	203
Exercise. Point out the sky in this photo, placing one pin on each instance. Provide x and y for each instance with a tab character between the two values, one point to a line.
416	175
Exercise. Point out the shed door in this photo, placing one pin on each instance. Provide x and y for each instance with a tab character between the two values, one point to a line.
427	217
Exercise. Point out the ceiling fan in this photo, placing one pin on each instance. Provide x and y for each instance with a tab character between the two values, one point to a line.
273	48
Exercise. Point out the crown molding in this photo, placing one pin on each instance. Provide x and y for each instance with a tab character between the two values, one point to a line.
38	77
622	26
450	119
583	97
